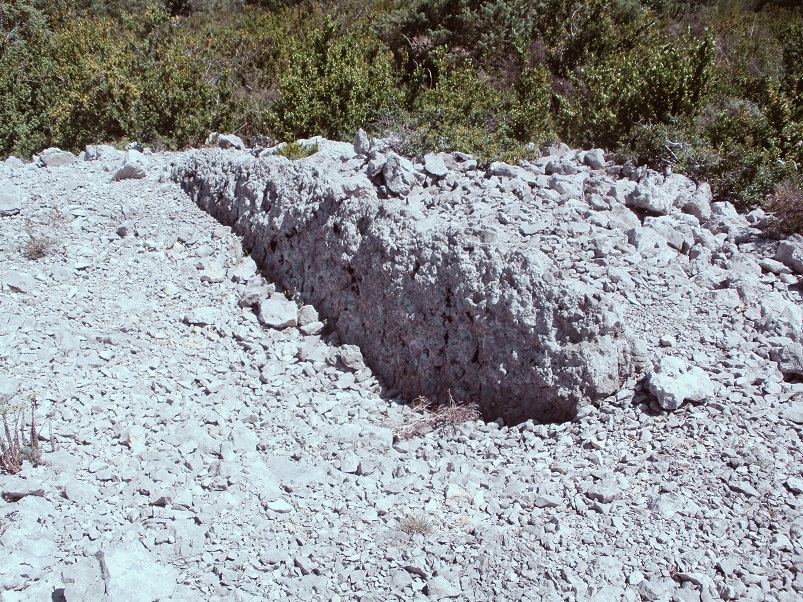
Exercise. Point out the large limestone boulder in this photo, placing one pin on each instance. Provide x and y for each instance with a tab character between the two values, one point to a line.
436	306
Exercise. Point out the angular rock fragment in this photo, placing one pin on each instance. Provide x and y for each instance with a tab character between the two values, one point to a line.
133	166
699	204
98	152
375	165
606	490
214	273
435	166
245	271
790	253
673	382
439	588
793	412
774	267
134	438
202	316
10	199
400	175
351	357
307	315
646	195
595	158
561	168
13	163
278	311
19	282
789	358
134	575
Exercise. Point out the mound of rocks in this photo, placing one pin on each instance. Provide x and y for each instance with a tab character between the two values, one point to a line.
525	288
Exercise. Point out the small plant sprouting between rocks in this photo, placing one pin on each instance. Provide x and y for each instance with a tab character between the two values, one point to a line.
37	246
294	150
14	448
416	525
430	416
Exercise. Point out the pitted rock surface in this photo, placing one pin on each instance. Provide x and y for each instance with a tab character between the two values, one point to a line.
514	288
437	296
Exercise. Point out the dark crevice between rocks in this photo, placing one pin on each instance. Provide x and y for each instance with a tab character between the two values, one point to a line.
793	378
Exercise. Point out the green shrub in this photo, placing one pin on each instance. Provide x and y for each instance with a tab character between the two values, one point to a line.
562	34
294	150
465	112
24	37
655	84
98	79
334	86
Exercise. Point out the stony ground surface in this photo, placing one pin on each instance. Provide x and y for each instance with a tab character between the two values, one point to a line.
190	452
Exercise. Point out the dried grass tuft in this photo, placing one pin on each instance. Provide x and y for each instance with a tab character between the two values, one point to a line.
38	245
786	203
416	525
430	416
14	447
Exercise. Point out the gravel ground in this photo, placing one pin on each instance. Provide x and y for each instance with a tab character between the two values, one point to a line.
192	452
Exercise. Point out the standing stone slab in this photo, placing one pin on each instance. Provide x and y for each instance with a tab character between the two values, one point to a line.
10	199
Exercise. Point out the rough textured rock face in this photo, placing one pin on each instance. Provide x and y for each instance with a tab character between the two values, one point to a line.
436	302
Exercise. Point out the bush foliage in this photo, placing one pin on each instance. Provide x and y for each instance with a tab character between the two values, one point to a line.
335	84
712	88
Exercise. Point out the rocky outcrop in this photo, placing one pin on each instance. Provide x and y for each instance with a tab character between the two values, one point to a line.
530	289
437	299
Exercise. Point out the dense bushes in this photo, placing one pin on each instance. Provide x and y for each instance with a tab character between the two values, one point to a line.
713	88
334	85
133	79
91	79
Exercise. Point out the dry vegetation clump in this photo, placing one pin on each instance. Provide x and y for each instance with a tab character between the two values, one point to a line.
787	206
14	447
429	416
416	525
38	245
